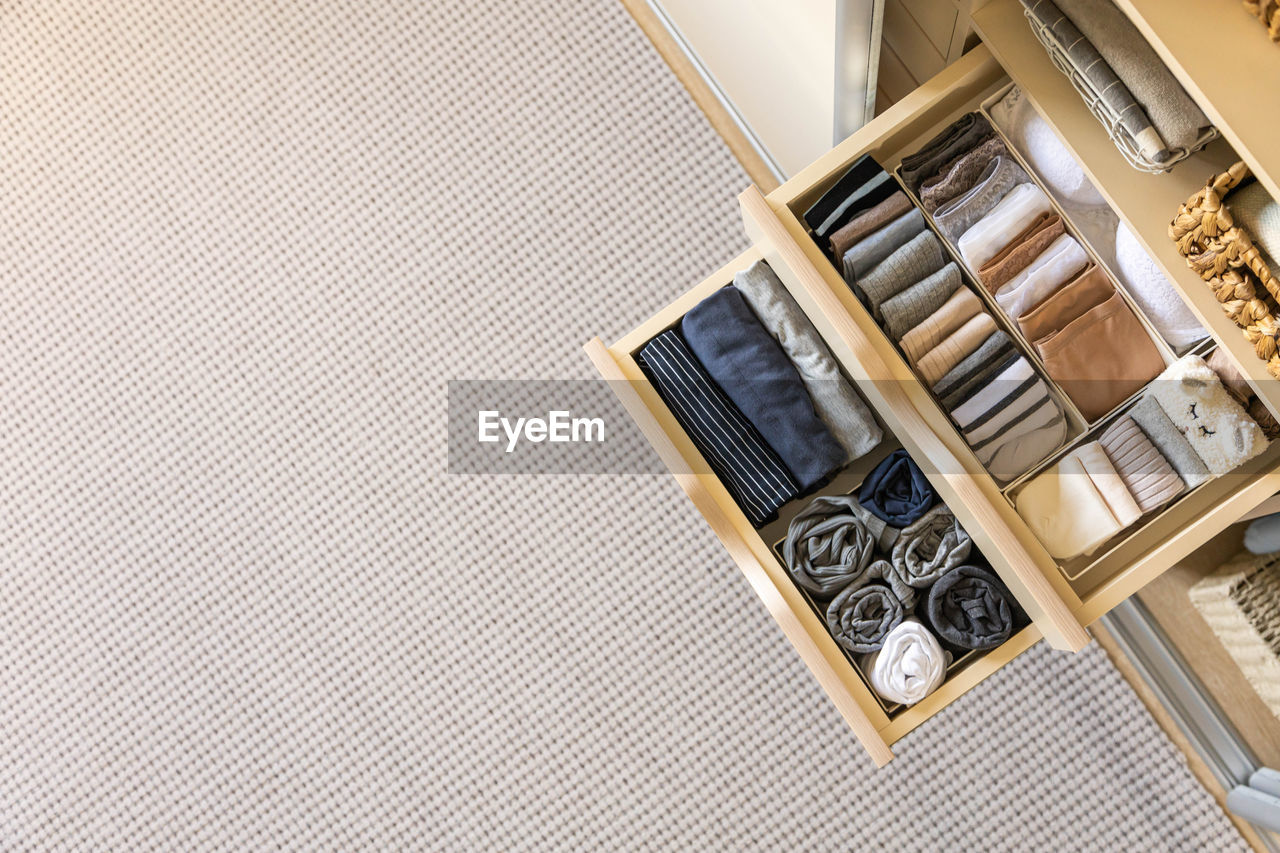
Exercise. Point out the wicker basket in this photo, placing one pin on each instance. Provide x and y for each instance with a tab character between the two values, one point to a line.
1267	11
1223	254
1120	137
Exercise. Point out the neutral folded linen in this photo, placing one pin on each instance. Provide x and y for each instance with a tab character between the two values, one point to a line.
960	175
1021	251
969	608
1153	293
1254	210
753	371
964	134
1147	475
868	222
909	308
830	544
909	665
1000	176
833	396
974	371
1215	425
1070	506
1169	440
960	307
740	457
897	491
1044	152
1012	422
955	347
1224	366
914	261
1086	291
1058	264
926	549
1107	480
861	617
863	185
986	237
864	255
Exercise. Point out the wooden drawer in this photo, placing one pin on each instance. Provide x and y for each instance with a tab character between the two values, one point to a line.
1059	602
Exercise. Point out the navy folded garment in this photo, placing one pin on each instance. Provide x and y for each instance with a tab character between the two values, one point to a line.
752	473
754	372
896	492
862	187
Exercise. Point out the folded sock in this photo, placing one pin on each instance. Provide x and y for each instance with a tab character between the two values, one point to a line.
1065	508
986	237
1214	424
861	617
740	457
955	347
897	491
909	308
909	665
974	371
864	185
753	371
964	134
960	175
1058	264
1169	440
1000	176
1230	376
868	222
1108	482
833	396
1012	422
914	261
951	315
969	608
830	543
880	244
1024	248
1153	293
1145	472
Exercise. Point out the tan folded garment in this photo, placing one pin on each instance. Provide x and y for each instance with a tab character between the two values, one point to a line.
1025	248
1147	474
867	222
962	305
1232	379
1108	482
1072	507
1086	291
953	349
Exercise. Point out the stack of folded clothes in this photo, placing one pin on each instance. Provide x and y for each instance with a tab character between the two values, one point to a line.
752	383
1012	240
900	270
898	580
1187	428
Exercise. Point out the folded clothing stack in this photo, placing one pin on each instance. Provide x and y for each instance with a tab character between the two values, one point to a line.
753	384
1186	429
899	269
895	556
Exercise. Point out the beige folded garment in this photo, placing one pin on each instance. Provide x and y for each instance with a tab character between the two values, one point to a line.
959	307
1147	474
1078	504
952	350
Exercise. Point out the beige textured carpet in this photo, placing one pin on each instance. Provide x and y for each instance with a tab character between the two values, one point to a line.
241	603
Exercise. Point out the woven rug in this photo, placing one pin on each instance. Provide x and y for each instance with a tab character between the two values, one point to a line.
243	604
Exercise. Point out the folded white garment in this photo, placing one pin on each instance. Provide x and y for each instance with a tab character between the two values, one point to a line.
986	237
1040	146
909	666
1200	407
1154	294
1052	268
1074	507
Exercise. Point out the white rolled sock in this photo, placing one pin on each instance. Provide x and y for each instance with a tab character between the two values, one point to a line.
909	666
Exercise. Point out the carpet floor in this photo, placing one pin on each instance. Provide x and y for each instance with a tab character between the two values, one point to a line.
243	604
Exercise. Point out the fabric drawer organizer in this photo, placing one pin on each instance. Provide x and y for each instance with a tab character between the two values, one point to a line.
1059	598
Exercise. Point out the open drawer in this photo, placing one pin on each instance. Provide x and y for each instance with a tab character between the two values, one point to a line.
1059	603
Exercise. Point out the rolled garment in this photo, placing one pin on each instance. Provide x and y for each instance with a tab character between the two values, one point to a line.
964	134
1169	440
984	240
1061	262
916	260
1065	506
909	308
1177	119
928	548
864	185
1044	152
970	608
753	371
1085	58
897	491
1259	214
974	371
868	222
880	244
834	399
960	175
909	665
1232	379
861	617
1215	425
740	457
1146	473
830	544
1262	536
1153	293
1025	248
955	347
951	315
1001	175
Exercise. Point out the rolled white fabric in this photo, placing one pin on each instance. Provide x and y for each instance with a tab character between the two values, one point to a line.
909	666
1051	269
984	240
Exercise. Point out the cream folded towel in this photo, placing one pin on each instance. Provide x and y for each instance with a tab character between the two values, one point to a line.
1078	504
1005	221
1202	409
1054	267
909	666
1043	150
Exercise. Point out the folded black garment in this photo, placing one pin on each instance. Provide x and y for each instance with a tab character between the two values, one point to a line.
861	188
965	133
830	544
969	608
749	469
860	617
754	372
897	492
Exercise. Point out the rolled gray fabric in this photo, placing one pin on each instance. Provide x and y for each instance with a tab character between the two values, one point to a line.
902	313
969	608
926	549
914	261
878	245
835	401
1001	175
1169	440
1084	56
861	616
830	543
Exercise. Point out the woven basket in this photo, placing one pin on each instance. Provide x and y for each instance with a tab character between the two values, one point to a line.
1223	254
1119	136
1267	11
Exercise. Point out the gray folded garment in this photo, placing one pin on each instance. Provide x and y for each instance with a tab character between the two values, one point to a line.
1262	536
1259	214
1001	175
1169	440
860	617
969	608
1176	117
830	543
916	260
925	550
880	244
965	133
1085	58
903	312
974	370
835	401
